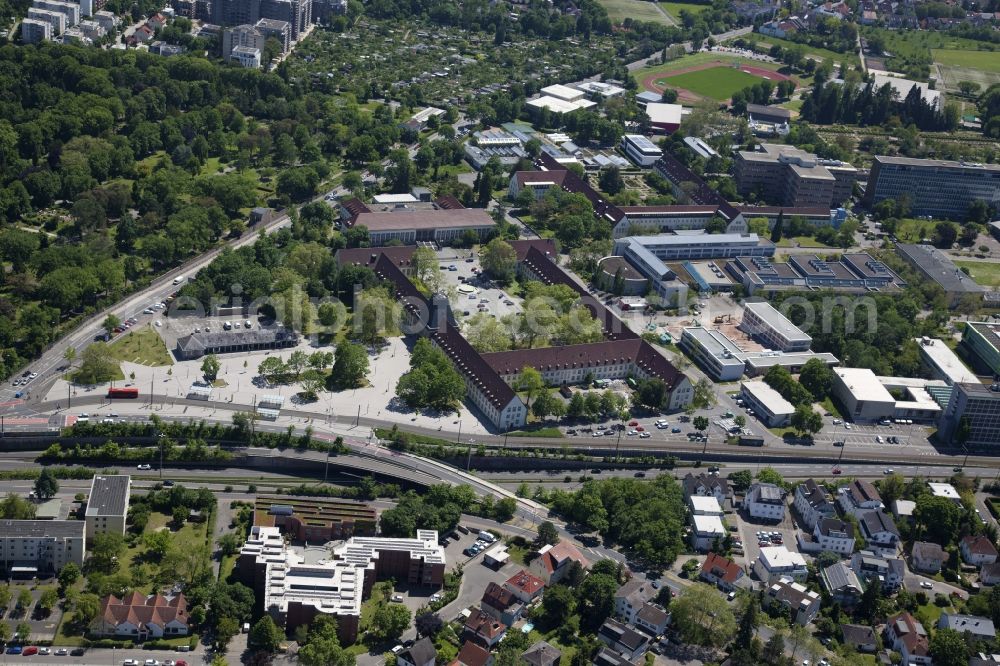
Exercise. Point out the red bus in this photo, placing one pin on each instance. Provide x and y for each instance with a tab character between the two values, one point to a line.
123	393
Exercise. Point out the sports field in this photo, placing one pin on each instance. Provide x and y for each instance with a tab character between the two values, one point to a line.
674	8
637	10
717	83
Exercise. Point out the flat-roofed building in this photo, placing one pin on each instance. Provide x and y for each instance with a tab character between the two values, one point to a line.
557	105
30	547
70	10
862	394
677	247
982	340
789	176
706	532
773	329
107	504
852	273
777	561
641	150
714	353
34	30
769	406
945	490
665	117
56	19
973	411
943	363
941	188
414	226
936	266
314	519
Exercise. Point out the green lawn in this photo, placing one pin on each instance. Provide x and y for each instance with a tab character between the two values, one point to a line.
637	10
765	43
801	241
674	8
987	61
143	346
985	273
718	83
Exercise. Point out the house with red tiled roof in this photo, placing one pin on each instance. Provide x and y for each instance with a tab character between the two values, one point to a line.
525	586
723	572
140	617
484	628
501	603
472	654
978	550
554	562
909	638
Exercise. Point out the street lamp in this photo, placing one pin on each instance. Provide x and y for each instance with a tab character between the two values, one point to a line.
159	439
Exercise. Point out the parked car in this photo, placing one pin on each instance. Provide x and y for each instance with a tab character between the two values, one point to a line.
143	466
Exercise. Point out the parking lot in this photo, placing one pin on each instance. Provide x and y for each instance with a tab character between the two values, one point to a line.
748	528
476	293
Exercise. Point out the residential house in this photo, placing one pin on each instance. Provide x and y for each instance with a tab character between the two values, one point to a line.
842	583
813	503
777	561
421	653
541	654
723	573
979	628
525	586
927	557
879	531
625	641
983	659
608	657
484	628
703	485
870	566
630	598
905	635
978	550
802	603
859	497
501	603
473	654
903	509
706	532
554	562
859	637
652	619
140	617
765	501
832	534
990	574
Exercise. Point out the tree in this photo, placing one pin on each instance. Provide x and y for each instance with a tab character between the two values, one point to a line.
499	260
741	480
23	632
703	616
157	543
748	624
558	605
547	534
266	636
949	648
700	423
24	599
530	381
817	377
779	227
68	575
350	366
428	624
945	235
610	180
390	621
322	648
110	323
15	507
377	315
97	365
46	485
4	632
312	381
210	367
225	629
596	600
48	600
939	518
5	597
105	551
70	355
807	420
86	606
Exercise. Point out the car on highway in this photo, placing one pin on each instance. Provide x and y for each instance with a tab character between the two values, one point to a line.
32	375
44	651
836	470
61	652
837	422
77	652
597	433
887	470
143	466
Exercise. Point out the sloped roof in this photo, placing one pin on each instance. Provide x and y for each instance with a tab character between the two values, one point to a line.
560	555
979	545
541	654
140	610
857	634
876	521
498	597
527	583
722	568
472	654
420	652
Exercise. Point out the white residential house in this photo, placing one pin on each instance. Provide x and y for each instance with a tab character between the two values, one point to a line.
777	561
813	503
978	550
832	534
765	501
704	505
140	617
705	531
859	497
871	566
909	638
703	484
879	531
631	597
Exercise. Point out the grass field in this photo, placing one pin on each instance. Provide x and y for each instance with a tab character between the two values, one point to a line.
988	61
674	8
825	54
637	10
698	59
984	273
718	83
143	346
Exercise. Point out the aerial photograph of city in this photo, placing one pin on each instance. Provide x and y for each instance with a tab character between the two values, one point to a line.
500	332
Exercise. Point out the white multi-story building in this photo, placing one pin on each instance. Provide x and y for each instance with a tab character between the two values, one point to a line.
107	504
813	503
834	535
56	19
41	546
70	9
706	531
802	603
246	56
879	531
35	30
765	500
777	561
773	329
871	566
768	405
859	497
641	150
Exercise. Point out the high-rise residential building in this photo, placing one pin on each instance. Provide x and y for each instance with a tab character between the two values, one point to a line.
41	546
56	19
70	9
939	188
279	30
297	13
789	176
972	416
245	43
34	30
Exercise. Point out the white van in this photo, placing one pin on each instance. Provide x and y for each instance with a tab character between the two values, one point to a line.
487	536
178	279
